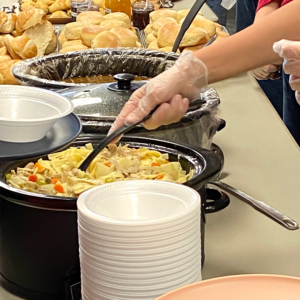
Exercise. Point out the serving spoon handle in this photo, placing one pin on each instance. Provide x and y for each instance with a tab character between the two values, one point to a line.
123	129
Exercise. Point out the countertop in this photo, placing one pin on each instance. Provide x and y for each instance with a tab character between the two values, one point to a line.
263	160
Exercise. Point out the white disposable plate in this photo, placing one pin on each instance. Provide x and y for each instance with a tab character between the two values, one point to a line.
160	264
142	256
154	292
138	203
134	279
28	113
135	247
160	231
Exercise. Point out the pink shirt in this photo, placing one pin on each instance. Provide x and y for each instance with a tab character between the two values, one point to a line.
262	3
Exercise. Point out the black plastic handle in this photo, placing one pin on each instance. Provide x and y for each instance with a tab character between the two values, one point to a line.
187	23
215	200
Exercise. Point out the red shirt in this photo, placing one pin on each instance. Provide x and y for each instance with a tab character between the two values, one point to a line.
262	3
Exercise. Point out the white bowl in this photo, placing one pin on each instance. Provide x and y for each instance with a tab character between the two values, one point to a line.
28	113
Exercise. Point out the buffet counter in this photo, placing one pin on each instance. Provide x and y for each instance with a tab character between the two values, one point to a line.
261	159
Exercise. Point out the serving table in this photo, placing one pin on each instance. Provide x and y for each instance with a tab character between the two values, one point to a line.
263	160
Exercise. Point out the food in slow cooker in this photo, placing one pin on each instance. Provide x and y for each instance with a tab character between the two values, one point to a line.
98	79
60	176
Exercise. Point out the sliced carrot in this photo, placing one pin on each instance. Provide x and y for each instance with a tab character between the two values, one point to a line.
54	180
59	188
155	164
32	178
39	167
159	176
108	164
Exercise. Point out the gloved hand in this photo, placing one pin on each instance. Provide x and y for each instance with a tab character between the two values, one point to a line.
172	90
290	51
267	72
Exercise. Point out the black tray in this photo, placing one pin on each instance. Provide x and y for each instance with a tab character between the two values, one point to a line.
64	131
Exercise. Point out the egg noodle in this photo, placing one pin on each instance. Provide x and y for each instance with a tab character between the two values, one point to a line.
60	176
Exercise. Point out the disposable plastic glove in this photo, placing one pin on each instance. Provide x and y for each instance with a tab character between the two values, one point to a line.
267	72
290	51
172	90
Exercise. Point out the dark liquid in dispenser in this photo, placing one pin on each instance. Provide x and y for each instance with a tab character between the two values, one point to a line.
140	14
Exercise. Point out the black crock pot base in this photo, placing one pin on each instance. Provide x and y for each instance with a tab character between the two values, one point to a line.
26	293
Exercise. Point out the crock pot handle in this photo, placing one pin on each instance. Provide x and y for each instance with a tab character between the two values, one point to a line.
215	200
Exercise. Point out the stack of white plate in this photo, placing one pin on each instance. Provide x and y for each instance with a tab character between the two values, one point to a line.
138	239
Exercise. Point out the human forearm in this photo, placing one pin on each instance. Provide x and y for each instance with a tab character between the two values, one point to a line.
252	47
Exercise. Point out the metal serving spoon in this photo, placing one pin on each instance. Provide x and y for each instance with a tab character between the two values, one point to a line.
123	129
260	206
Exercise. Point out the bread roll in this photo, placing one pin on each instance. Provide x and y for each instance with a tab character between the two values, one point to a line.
7	42
59	14
4	58
138	45
150	38
48	2
161	13
1	79
68	4
29	18
218	26
127	37
1	41
73	48
9	23
6	72
119	16
168	49
27	5
167	34
183	13
24	47
3	18
89	33
148	29
3	51
90	17
16	33
52	44
160	22
106	39
41	35
73	30
109	24
69	13
208	25
193	48
43	6
71	43
153	45
100	3
58	5
61	38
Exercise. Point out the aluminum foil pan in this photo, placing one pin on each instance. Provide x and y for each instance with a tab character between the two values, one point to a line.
49	70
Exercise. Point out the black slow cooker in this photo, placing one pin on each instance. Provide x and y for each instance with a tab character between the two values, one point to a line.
38	233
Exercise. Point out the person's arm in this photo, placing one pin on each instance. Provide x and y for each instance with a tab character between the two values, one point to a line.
251	47
264	9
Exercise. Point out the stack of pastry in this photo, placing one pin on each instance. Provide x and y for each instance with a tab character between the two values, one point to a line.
164	27
21	37
93	30
56	8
